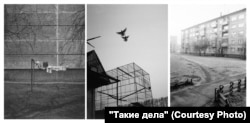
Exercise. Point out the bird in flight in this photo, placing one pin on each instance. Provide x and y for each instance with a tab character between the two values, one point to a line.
125	38
122	32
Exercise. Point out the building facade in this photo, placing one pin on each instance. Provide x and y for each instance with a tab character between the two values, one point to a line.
173	44
222	36
54	33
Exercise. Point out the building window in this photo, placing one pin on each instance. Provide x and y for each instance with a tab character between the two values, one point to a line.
240	41
239	49
232	49
213	24
221	21
225	28
233	34
233	26
233	18
242	16
241	33
215	30
241	24
225	35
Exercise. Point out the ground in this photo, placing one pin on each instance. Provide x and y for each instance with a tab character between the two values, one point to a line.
238	99
46	101
207	73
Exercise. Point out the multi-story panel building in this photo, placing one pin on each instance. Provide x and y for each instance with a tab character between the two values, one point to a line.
222	36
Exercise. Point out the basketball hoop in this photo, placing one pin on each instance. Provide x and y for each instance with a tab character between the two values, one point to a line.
55	68
43	66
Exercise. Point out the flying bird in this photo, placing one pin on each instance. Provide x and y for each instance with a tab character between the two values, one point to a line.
125	38
122	32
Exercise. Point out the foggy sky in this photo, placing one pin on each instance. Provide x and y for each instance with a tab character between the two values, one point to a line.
184	16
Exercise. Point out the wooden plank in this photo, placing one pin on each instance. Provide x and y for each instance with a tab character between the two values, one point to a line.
222	103
222	96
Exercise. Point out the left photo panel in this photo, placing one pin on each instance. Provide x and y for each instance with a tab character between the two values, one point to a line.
44	61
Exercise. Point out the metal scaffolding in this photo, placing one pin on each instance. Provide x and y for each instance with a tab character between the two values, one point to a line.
134	87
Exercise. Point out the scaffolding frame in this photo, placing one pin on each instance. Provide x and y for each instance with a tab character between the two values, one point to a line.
134	87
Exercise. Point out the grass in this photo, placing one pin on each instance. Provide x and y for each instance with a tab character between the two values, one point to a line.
237	99
47	101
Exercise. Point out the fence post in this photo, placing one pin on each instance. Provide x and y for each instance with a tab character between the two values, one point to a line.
215	95
221	88
245	84
231	87
239	84
191	82
31	74
186	83
227	103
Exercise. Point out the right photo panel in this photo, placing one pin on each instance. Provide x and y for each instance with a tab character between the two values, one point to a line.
207	55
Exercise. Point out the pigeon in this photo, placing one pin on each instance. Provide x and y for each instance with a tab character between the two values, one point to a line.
122	32
125	38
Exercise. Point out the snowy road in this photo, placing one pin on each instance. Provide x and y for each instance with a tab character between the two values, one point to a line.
207	72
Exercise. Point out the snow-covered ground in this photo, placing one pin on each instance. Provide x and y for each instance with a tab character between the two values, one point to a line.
207	73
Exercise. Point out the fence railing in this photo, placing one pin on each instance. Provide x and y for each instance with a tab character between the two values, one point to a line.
224	91
177	85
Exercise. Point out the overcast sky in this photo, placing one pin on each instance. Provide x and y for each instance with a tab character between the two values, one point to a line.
147	43
184	16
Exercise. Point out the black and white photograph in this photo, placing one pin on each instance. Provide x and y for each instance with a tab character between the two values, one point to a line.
127	56
207	55
44	59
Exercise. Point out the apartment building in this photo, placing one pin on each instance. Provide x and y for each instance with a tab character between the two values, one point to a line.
222	36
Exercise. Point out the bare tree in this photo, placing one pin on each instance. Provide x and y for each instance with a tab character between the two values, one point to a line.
22	28
75	42
24	25
201	46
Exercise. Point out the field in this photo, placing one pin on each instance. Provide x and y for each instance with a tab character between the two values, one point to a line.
46	101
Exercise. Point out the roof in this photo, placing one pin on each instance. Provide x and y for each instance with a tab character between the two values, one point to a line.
216	18
94	61
96	75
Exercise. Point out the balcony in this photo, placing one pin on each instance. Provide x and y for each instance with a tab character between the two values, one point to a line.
224	30
214	25
225	22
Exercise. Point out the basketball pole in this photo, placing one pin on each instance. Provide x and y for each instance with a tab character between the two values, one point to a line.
31	79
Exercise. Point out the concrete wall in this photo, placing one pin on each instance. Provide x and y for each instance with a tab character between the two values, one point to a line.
24	75
53	33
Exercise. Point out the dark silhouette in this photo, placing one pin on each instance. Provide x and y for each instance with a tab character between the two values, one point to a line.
125	38
92	39
90	44
122	33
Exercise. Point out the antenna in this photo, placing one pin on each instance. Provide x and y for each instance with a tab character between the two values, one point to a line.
92	39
